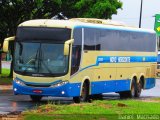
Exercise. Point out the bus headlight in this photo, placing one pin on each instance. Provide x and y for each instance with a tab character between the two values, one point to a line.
19	82
59	83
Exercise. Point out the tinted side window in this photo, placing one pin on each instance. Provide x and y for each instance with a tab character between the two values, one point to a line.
123	41
89	39
118	40
145	42
151	44
108	40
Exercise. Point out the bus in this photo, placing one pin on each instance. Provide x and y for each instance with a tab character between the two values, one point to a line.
82	58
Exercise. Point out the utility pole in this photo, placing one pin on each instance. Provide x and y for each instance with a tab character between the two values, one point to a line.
140	17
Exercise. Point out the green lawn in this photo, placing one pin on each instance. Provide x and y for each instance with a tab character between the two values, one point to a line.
102	110
4	79
5	72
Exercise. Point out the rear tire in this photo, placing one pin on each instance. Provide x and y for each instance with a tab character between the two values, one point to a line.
35	98
131	93
138	89
84	94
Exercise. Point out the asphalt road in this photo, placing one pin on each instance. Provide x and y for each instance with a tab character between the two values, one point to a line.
10	103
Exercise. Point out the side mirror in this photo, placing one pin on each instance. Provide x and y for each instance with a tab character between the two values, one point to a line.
66	46
6	43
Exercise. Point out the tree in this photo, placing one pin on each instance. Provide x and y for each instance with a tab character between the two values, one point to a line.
14	12
97	8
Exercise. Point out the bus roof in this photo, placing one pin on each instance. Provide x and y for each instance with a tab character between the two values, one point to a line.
82	22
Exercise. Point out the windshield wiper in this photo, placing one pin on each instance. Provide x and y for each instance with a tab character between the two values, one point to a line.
27	65
42	62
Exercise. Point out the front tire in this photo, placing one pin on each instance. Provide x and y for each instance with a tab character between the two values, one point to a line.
36	98
84	94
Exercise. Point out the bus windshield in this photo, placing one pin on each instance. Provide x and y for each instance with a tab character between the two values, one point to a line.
40	59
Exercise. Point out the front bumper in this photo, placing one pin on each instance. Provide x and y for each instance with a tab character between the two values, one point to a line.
67	90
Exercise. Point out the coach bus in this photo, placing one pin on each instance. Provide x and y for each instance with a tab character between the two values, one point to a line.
82	57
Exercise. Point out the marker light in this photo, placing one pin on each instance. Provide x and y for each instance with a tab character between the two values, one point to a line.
19	82
63	92
15	89
59	83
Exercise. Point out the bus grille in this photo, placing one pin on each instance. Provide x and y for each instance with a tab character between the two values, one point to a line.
37	85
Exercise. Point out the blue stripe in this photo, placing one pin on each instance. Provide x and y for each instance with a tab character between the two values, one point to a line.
73	89
106	86
114	28
88	67
110	86
122	59
125	59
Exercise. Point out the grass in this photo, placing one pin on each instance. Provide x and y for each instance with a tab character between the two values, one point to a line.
102	110
156	99
5	72
4	79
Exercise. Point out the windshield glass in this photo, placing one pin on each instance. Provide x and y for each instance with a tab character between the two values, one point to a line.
40	59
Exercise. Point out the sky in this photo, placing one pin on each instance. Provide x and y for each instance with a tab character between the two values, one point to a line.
130	12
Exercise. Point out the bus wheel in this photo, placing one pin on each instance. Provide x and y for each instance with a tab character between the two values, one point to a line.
84	94
138	89
131	93
35	98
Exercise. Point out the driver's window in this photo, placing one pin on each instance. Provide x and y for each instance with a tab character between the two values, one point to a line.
76	50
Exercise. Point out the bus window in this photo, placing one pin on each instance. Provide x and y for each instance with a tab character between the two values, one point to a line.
76	50
89	39
76	56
